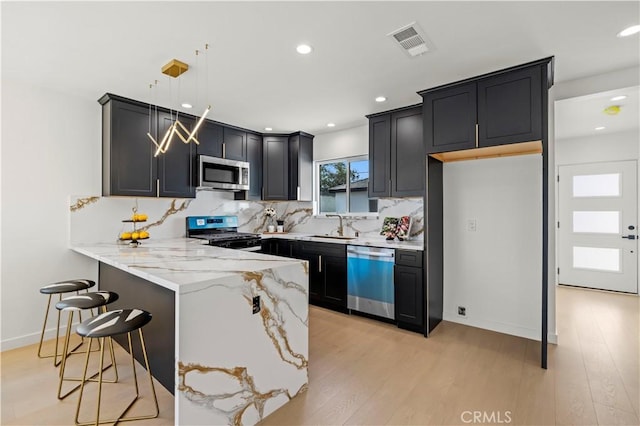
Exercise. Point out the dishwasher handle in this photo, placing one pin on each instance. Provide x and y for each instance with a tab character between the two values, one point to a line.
355	253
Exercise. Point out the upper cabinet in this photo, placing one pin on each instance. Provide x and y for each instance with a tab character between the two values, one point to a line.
301	167
275	168
254	157
129	165
234	145
210	138
396	153
496	109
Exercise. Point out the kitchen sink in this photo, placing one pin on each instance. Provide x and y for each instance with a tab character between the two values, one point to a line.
334	237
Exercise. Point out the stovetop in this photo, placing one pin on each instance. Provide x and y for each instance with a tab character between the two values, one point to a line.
226	236
220	231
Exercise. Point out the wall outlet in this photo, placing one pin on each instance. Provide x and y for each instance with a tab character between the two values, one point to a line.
462	311
256	304
471	225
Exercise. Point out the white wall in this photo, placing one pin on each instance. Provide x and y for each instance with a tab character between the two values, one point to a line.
495	271
341	144
50	148
617	79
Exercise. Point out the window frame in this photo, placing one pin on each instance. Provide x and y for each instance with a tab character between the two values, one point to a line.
316	188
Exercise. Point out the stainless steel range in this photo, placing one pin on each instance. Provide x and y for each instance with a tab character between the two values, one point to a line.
222	231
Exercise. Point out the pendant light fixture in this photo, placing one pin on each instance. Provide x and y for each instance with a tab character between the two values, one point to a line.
174	69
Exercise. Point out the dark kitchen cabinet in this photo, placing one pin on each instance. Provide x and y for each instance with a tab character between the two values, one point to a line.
275	168
450	118
510	107
234	144
380	156
409	290
210	138
493	110
277	247
301	167
254	158
327	273
129	165
396	153
177	166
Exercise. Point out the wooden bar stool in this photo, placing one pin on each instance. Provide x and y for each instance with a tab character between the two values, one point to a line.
107	325
77	303
60	288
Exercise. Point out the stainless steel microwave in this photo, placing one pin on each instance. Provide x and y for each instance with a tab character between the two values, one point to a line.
220	173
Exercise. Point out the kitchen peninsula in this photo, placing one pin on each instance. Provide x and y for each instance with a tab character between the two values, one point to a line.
229	335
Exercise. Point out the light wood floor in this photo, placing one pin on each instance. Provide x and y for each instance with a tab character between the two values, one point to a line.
365	372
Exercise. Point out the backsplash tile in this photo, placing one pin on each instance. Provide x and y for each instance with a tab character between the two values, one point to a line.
99	219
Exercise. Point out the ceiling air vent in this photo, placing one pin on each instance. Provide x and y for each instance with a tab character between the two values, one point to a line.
412	39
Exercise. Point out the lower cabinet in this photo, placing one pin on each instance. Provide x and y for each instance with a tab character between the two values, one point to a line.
409	290
277	247
327	272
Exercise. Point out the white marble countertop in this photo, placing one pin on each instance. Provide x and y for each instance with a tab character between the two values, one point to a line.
360	241
180	264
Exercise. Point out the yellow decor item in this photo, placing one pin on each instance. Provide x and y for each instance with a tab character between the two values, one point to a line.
612	110
125	236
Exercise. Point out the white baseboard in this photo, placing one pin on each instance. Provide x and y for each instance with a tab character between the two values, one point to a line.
30	339
511	329
552	338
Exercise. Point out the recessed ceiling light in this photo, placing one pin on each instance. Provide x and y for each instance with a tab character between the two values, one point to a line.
331	124
304	49
186	105
268	129
618	98
381	99
600	128
629	31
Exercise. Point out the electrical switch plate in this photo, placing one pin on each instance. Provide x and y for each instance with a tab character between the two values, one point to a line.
256	304
471	225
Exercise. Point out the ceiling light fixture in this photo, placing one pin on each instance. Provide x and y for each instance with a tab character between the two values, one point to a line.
331	124
600	128
618	98
186	105
268	129
634	29
174	69
381	99
304	49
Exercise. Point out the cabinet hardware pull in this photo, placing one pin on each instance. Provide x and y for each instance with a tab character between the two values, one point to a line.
298	193
224	149
476	135
157	187
319	263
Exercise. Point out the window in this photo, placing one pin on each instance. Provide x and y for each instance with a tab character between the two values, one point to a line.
342	186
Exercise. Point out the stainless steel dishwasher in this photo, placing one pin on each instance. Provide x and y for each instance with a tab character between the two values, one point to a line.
370	280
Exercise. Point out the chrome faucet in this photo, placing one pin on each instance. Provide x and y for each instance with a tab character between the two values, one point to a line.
340	227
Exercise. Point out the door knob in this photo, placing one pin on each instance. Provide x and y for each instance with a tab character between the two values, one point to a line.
629	237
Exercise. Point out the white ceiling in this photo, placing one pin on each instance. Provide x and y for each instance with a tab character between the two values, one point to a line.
256	78
576	117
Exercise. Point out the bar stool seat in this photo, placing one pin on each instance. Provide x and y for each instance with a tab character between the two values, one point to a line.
106	325
77	303
60	288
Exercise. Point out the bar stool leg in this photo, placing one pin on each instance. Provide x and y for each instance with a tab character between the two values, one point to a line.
65	354
44	326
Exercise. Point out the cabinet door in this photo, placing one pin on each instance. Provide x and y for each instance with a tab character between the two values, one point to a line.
315	275
379	156
450	119
407	154
334	270
176	167
129	164
409	300
275	168
210	138
254	157
234	144
301	168
510	107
